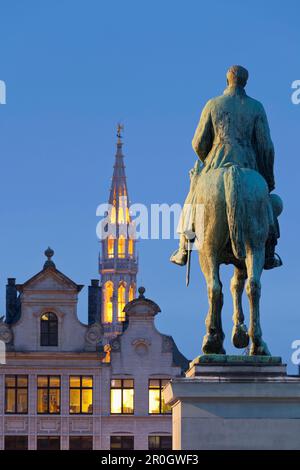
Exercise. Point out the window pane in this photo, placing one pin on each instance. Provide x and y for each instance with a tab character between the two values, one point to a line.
42	404
115	442
52	327
42	381
116	383
160	442
74	381
87	401
48	443
81	443
153	442
128	401
44	339
128	442
44	327
52	339
16	442
115	401
22	381
166	442
54	381
87	381
74	401
10	400
128	383
153	383
54	406
10	381
22	400
122	442
164	382
154	401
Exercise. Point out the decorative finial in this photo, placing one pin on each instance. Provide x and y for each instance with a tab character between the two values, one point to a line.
120	128
141	291
49	253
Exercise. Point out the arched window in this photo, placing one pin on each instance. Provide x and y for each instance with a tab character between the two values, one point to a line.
113	214
121	217
131	292
110	247
130	247
108	302
121	247
49	329
121	301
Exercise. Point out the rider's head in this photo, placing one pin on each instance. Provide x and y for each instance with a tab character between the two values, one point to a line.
237	76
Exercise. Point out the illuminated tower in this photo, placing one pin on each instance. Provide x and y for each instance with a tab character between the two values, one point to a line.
118	262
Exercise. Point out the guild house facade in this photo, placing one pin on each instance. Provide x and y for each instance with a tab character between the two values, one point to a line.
71	385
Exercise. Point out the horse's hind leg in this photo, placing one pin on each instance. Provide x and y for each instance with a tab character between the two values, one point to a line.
255	261
240	337
213	340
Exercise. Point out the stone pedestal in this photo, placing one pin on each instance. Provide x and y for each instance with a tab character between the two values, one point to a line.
235	402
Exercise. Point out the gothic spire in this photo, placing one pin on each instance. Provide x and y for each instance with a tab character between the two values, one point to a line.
118	263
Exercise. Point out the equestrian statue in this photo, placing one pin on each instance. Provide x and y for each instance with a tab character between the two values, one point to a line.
232	182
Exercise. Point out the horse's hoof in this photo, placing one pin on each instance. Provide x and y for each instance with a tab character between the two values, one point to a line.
240	337
212	344
260	349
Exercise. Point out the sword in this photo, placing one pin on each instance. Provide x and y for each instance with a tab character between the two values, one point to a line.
188	266
188	235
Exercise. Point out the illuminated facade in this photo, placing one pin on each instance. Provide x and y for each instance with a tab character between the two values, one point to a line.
118	263
65	387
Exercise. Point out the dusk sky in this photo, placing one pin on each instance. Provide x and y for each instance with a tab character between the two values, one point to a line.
73	69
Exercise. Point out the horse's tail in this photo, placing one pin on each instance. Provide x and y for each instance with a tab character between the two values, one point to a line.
235	210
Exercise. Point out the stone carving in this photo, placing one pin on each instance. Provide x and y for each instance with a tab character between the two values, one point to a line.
141	346
115	345
239	225
94	334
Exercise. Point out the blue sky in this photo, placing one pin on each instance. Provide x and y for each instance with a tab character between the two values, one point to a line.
74	68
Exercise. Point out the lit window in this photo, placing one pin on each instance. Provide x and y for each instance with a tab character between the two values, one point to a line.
121	247
130	247
81	395
49	330
108	302
113	215
110	247
121	396
121	302
123	214
156	401
121	218
16	394
131	293
48	400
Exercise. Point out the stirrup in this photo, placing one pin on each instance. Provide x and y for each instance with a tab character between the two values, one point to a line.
276	262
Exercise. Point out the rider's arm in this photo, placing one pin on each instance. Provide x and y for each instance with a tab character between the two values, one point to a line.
264	147
203	138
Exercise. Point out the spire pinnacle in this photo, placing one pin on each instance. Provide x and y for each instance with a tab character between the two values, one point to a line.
120	128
